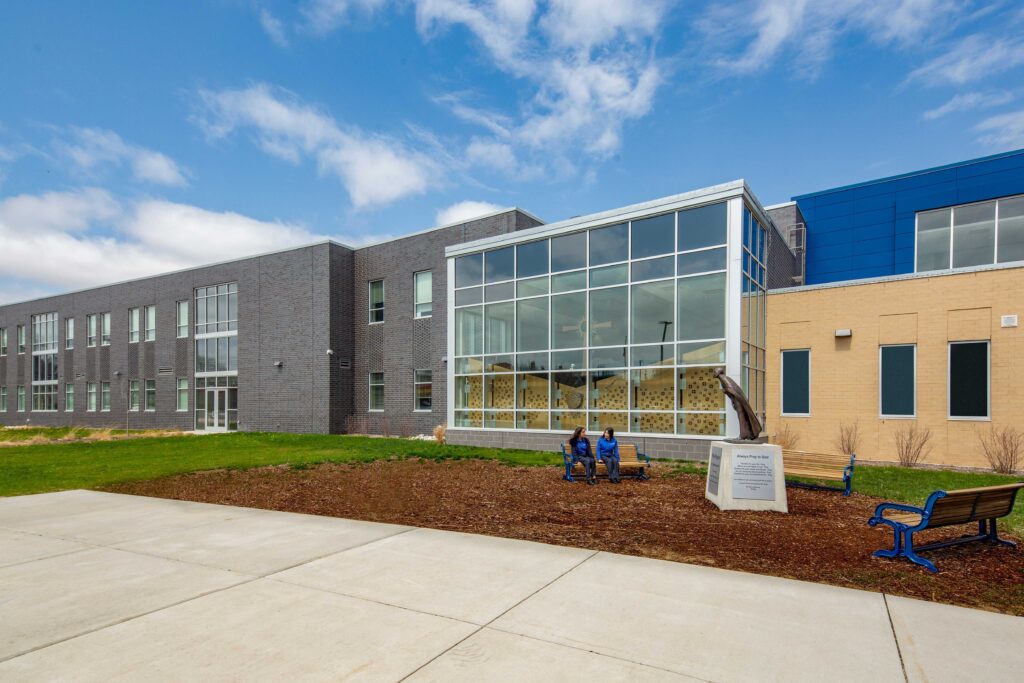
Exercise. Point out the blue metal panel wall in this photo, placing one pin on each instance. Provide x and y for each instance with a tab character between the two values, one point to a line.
867	229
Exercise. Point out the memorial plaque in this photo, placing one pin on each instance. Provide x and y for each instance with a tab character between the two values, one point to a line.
714	470
753	476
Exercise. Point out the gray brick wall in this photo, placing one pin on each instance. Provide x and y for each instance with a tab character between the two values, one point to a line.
783	264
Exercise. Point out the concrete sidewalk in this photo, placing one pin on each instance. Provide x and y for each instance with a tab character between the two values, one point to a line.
105	587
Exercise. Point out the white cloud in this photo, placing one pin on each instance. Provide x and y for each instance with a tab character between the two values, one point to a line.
273	27
973	58
590	62
374	169
1004	131
464	211
91	148
968	102
750	36
82	238
323	16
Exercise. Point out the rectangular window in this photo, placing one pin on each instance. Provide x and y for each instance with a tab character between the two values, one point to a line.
216	308
3	341
90	330
21	399
69	397
21	339
969	380
796	382
376	391
105	396
45	375
897	380
69	333
423	284
133	394
105	333
968	235
150	395
182	308
182	402
424	388
150	323
134	323
376	301
3	399
90	397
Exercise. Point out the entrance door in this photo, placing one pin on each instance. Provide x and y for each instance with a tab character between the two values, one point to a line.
216	410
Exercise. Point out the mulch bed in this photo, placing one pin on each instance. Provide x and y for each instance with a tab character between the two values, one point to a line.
825	537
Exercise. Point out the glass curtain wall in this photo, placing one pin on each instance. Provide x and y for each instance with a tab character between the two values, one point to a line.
752	312
618	326
44	362
216	360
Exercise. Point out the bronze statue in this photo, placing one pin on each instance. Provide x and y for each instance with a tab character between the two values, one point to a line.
750	426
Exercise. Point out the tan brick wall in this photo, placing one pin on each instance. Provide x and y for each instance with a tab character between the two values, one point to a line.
927	311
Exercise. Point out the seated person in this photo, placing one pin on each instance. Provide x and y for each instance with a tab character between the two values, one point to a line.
579	449
608	453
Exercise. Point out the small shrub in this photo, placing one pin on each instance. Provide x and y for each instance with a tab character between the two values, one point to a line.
1003	448
849	437
912	443
441	433
786	438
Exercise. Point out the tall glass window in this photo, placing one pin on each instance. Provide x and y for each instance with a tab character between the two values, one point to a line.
796	382
134	325
69	397
105	397
376	289
150	395
621	325
3	341
90	396
150	316
423	283
69	333
45	374
969	380
105	329
3	399
181	401
376	400
897	380
21	398
216	359
423	388
182	318
21	339
133	394
90	330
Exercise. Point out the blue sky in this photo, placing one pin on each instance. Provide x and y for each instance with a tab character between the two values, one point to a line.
143	137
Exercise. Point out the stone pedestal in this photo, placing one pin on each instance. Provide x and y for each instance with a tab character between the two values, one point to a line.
746	477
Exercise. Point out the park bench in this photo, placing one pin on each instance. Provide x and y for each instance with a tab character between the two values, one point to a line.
632	465
946	508
827	466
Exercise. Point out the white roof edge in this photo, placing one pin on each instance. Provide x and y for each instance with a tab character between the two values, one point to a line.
780	205
703	195
898	278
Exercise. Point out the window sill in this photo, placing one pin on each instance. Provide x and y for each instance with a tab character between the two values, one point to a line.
424	317
897	417
375	410
379	322
952	418
794	414
418	410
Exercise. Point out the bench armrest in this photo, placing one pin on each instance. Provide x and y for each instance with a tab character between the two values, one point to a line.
643	456
878	518
566	458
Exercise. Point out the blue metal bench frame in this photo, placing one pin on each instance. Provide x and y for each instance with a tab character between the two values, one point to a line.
846	488
903	534
569	461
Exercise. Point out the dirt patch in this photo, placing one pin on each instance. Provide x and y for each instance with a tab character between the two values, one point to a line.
825	537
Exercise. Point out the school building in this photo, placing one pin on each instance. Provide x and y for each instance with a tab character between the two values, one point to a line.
884	302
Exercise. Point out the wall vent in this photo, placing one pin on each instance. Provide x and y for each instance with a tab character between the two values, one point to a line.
344	363
165	371
1008	321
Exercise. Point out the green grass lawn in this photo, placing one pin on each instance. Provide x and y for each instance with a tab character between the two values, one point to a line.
53	467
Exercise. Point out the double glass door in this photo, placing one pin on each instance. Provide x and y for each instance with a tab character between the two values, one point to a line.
216	410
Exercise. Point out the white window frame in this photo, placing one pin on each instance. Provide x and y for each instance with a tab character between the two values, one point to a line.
149	333
882	415
369	391
133	395
415	384
369	302
148	388
134	325
3	341
181	311
988	381
105	392
105	329
91	330
416	303
69	333
782	375
21	340
91	397
21	398
3	399
178	389
69	392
